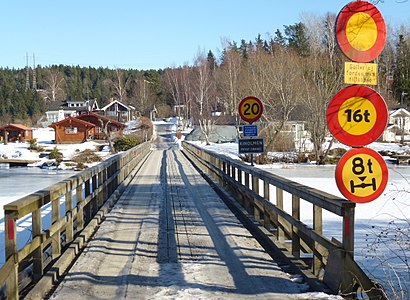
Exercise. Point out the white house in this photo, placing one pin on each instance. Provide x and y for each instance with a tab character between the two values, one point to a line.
59	110
118	111
398	129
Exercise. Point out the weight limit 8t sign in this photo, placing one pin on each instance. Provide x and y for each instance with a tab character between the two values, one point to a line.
361	175
357	116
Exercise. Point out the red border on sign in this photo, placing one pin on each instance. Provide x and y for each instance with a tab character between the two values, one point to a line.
341	23
246	119
337	129
339	175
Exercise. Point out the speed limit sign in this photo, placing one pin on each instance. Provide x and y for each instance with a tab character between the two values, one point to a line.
250	109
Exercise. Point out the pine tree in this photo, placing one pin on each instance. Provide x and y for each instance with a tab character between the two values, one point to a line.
296	38
402	71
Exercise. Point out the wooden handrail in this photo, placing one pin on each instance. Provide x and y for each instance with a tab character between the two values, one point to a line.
243	182
92	188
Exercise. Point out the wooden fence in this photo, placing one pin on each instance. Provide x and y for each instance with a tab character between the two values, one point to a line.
77	204
332	261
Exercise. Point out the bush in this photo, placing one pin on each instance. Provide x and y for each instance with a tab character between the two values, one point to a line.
57	155
126	143
86	156
34	146
80	166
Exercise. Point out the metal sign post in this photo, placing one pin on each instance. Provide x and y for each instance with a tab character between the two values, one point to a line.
250	109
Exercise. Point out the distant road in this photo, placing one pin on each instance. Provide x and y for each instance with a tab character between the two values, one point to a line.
165	137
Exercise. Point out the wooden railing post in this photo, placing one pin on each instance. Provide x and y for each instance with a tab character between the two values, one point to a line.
295	232
228	170
233	173
94	201
69	211
266	215
55	218
279	220
87	208
247	180
346	286
80	203
38	264
101	194
11	251
255	188
318	228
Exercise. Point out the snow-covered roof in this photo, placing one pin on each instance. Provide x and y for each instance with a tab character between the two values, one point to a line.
116	102
72	120
18	126
401	112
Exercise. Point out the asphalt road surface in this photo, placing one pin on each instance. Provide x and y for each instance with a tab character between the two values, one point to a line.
171	237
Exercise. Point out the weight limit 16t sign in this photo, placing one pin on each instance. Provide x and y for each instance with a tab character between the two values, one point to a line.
357	116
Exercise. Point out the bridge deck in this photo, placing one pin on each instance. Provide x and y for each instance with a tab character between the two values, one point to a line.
171	236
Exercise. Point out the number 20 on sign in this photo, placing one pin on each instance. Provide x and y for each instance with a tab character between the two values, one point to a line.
361	175
250	109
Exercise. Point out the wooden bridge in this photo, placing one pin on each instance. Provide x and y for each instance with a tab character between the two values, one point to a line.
157	222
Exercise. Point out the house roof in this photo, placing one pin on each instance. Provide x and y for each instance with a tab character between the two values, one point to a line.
18	126
100	117
57	105
72	120
116	102
401	112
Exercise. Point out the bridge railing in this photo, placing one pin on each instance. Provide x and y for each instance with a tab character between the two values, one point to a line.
76	202
332	261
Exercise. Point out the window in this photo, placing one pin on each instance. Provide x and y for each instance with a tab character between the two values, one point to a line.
71	130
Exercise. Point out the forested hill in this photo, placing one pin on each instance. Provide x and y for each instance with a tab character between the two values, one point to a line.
25	94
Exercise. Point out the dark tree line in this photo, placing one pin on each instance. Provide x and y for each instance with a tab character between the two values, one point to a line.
25	94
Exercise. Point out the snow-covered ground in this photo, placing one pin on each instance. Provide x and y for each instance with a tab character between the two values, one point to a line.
44	138
371	218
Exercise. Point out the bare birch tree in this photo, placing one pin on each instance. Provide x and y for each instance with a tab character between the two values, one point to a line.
275	79
120	85
55	85
202	84
322	78
229	79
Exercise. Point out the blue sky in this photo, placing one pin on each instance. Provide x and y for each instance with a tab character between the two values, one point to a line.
148	34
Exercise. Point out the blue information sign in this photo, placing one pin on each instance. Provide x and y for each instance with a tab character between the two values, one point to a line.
250	130
249	146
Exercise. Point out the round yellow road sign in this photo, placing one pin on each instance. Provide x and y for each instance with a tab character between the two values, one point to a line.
361	175
357	115
250	109
360	31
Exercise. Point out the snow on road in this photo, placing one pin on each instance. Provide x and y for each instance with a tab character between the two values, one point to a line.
171	237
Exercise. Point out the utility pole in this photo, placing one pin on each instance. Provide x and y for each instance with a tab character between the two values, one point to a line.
27	74
34	73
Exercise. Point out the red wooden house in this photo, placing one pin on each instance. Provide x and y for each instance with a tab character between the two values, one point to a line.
72	130
15	133
114	128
